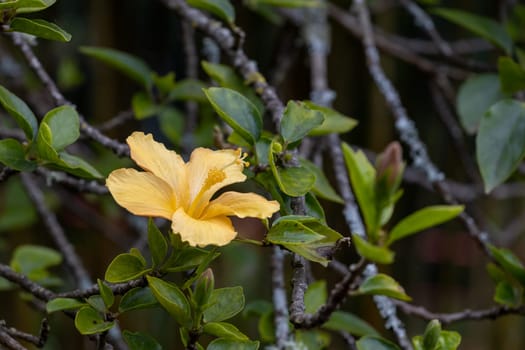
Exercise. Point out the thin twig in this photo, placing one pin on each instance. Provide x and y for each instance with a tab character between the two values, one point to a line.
15	333
280	301
465	315
9	342
406	128
56	231
80	185
25	283
59	99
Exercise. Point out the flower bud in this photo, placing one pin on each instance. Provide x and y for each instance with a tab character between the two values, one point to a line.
204	287
431	335
390	166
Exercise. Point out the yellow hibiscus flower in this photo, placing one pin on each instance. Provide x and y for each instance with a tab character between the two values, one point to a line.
182	192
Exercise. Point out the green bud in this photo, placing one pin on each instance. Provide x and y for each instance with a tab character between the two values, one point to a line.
431	335
277	147
204	287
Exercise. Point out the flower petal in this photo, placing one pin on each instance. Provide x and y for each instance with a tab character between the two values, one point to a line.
217	231
209	171
141	193
241	205
167	165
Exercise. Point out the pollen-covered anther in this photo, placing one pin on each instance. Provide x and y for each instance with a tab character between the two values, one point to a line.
214	177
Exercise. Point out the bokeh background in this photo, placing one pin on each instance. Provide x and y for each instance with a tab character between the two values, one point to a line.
441	269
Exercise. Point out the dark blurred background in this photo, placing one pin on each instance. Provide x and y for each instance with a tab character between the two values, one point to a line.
441	269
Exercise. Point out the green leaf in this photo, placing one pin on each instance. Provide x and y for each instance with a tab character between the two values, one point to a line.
334	122
380	255
157	244
500	145
31	259
225	303
224	330
448	340
511	75
59	304
375	343
76	166
27	6
188	89
237	111
64	125
382	284
298	120
20	111
431	335
347	322
221	8
228	344
106	293
509	262
140	341
172	299
188	258
97	303
13	155
226	77
40	28
287	232
143	107
129	65
482	26
474	98
137	298
508	294
125	267
423	219
322	187
362	176
90	321
315	296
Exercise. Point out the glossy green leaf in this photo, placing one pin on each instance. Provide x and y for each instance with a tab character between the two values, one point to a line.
322	187
228	344
423	219
129	65
295	181
224	330
9	4
347	322
90	321
298	120
482	26
509	262
508	294
19	110
474	98
140	341
313	207
334	122
137	298
76	166
226	77
500	145
13	155
362	176
27	6
221	8
97	303
188	258
375	343
237	111
511	75
315	296
188	90
40	28
382	284
157	244
125	267
172	299
369	251
292	232
59	304
64	125
225	303
106	293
